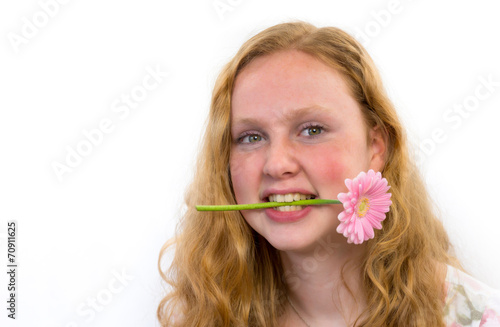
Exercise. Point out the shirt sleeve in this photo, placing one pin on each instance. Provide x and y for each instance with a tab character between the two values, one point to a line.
491	314
469	302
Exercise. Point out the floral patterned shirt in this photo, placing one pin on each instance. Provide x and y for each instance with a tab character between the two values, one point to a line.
470	303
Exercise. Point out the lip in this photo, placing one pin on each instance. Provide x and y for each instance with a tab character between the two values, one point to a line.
287	216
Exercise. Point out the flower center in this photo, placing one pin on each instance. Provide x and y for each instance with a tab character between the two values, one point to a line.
363	207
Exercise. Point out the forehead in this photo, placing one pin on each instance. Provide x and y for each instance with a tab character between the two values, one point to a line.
279	83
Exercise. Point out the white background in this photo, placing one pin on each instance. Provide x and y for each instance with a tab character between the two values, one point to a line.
111	214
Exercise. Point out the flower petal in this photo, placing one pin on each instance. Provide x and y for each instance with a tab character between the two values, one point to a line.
359	227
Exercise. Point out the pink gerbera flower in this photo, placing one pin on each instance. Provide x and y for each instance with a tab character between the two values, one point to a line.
365	206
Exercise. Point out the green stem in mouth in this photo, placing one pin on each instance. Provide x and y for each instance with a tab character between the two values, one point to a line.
264	205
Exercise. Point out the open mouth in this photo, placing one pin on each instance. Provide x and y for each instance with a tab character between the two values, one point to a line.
289	198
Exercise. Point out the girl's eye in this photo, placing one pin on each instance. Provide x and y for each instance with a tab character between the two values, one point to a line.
252	138
312	130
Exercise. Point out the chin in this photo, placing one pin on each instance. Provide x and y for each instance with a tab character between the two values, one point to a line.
288	242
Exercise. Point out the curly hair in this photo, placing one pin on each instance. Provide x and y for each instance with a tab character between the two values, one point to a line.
225	274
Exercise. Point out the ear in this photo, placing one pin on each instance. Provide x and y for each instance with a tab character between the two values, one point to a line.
377	145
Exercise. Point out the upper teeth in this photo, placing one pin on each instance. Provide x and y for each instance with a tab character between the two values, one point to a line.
289	197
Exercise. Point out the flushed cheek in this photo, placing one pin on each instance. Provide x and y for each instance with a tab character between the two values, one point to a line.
327	168
329	182
245	182
331	170
245	178
330	178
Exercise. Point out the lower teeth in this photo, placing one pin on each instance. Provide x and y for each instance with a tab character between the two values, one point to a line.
288	208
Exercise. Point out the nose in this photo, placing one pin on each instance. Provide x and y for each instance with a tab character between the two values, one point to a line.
281	160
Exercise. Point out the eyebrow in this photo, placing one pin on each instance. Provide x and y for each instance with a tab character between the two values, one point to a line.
289	117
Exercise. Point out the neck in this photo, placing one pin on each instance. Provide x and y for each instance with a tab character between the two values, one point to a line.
315	278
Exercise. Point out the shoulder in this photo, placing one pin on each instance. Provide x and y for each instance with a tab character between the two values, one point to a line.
470	302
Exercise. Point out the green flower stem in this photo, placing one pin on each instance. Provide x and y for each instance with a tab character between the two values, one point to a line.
263	205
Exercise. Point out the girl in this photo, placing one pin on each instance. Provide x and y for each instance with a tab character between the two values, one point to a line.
294	114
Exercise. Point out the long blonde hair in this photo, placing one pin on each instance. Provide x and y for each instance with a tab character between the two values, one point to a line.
225	274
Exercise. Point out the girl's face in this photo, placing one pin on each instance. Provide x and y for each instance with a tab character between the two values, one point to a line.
296	131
